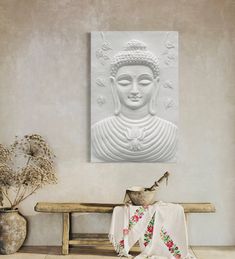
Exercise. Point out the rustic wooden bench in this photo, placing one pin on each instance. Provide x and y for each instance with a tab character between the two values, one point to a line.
97	239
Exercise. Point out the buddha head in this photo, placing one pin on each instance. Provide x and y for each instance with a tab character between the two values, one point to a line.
134	79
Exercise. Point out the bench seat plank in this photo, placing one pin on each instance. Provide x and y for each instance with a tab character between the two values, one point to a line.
51	207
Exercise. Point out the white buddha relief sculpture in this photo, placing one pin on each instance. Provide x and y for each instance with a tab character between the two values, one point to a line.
134	133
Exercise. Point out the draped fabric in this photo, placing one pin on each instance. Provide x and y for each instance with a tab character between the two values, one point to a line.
119	139
160	230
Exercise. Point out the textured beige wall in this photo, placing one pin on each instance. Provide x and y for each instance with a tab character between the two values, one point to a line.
44	82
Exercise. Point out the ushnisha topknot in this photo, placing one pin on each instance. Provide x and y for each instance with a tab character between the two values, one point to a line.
135	53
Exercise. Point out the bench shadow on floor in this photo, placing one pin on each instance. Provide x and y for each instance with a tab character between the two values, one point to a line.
51	252
85	250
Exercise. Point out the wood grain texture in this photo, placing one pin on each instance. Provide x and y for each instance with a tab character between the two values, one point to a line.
91	239
50	207
89	242
65	237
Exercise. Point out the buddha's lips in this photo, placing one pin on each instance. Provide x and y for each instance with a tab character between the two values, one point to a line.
134	98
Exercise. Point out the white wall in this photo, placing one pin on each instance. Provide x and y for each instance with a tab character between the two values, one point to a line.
44	83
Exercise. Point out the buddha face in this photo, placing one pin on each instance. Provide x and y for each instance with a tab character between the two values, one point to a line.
135	86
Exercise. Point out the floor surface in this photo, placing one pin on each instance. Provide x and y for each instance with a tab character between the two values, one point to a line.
53	253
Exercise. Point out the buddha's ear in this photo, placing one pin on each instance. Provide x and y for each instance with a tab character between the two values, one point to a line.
153	100
117	104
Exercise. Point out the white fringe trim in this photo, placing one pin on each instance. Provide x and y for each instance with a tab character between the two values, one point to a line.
189	256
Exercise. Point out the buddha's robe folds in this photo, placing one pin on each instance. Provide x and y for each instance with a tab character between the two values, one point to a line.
119	139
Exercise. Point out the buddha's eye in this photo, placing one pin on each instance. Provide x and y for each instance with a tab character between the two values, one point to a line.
124	82
145	82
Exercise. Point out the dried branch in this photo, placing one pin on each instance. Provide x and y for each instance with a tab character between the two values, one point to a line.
25	197
22	180
1	197
4	194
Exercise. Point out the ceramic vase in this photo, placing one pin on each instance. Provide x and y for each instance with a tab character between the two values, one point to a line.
13	230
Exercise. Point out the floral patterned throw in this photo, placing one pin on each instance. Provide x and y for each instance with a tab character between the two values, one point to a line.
160	230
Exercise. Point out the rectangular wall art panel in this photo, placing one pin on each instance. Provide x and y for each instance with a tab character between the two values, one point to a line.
134	96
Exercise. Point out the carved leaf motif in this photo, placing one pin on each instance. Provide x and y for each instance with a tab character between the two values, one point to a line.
99	53
100	82
1	197
169	52
169	103
167	62
106	46
102	52
101	100
168	84
105	57
169	44
171	57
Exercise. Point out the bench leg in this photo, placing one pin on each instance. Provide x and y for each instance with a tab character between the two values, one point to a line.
65	238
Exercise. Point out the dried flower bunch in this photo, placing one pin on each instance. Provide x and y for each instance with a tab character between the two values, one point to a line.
26	166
